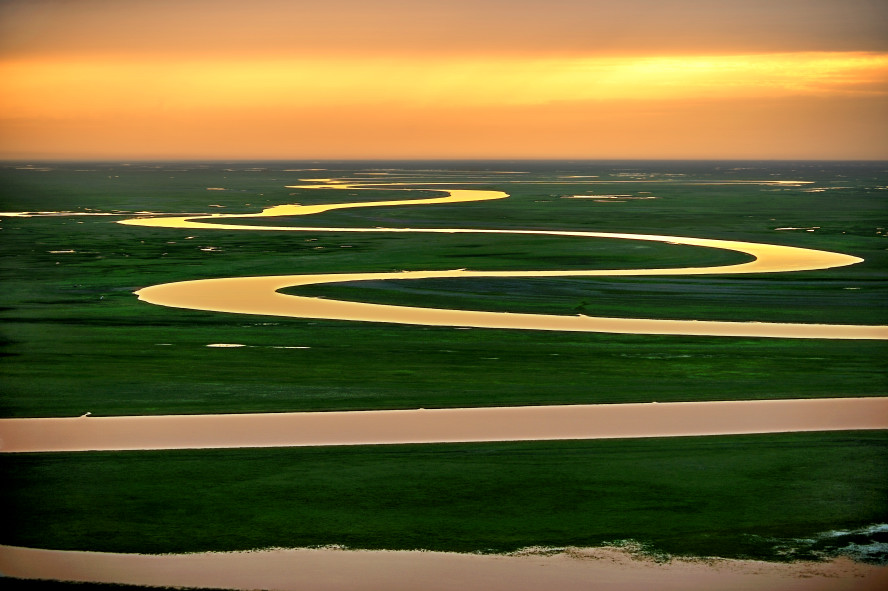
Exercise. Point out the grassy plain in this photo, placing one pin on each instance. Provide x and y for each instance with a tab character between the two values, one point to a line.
75	339
746	496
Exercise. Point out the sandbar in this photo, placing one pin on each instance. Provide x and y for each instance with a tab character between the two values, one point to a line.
575	569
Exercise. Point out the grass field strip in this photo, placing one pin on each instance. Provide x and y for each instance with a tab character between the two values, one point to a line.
259	295
448	425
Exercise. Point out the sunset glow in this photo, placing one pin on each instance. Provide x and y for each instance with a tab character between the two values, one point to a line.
62	87
177	88
430	294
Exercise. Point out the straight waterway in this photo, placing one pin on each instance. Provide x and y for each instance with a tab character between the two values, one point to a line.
451	425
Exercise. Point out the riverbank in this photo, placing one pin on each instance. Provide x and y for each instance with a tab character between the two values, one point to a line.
570	569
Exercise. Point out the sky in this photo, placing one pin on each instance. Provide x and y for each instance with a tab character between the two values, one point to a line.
461	79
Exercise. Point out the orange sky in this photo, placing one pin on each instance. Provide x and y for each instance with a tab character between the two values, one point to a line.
456	79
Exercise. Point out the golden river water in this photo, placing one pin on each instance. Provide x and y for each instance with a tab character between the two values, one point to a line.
336	569
260	295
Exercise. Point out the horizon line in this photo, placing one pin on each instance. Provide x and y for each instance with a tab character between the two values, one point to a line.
4	160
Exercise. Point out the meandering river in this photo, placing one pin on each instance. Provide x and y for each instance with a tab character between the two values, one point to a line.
326	569
260	295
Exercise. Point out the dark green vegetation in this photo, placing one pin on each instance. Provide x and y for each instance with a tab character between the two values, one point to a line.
745	496
76	339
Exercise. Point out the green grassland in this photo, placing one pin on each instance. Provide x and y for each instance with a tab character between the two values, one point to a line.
75	339
743	496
